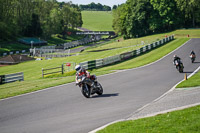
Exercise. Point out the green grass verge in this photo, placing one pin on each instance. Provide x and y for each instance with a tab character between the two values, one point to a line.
193	33
17	88
95	20
194	81
183	121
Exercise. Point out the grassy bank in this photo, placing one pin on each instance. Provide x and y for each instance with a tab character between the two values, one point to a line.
97	20
184	121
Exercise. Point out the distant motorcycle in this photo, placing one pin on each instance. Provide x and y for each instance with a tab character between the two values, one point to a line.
192	57
85	85
179	65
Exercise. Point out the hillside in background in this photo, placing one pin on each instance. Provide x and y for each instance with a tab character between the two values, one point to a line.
97	20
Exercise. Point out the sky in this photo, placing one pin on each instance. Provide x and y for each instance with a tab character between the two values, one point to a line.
103	2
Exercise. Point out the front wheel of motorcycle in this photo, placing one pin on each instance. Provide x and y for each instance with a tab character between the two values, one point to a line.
100	89
86	91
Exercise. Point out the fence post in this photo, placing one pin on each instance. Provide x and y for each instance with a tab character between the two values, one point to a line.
22	76
42	72
62	69
2	79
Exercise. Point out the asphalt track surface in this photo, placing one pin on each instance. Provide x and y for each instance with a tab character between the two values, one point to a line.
63	109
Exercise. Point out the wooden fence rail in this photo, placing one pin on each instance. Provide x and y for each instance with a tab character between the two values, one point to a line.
55	68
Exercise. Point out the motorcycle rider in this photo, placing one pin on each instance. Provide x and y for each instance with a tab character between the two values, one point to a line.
192	53
176	58
192	56
81	71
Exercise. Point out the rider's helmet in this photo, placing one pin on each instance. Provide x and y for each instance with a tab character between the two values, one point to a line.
175	56
78	68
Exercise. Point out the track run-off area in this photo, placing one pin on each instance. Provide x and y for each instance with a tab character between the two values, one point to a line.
63	109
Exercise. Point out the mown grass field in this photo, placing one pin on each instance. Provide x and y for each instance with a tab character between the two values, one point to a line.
97	20
33	69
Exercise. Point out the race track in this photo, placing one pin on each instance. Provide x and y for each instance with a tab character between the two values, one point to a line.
63	109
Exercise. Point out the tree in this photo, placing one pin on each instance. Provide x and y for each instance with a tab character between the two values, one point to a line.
136	20
167	10
114	7
143	17
95	7
119	15
37	17
34	29
191	11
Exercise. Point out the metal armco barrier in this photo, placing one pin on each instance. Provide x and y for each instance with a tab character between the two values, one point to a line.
127	55
84	64
112	59
11	77
92	64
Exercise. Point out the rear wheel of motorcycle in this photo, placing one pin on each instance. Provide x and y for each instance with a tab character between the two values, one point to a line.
86	91
100	89
192	60
180	69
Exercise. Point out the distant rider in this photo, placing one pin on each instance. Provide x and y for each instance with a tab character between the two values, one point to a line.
192	56
192	53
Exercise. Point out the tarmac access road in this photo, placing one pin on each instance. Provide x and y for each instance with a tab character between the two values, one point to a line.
63	109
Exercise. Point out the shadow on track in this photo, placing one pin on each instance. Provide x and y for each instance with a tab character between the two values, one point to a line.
106	95
187	72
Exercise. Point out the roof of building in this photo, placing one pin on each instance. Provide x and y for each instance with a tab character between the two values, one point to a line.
15	59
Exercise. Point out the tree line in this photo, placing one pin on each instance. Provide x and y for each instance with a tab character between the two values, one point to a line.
143	17
39	18
95	7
